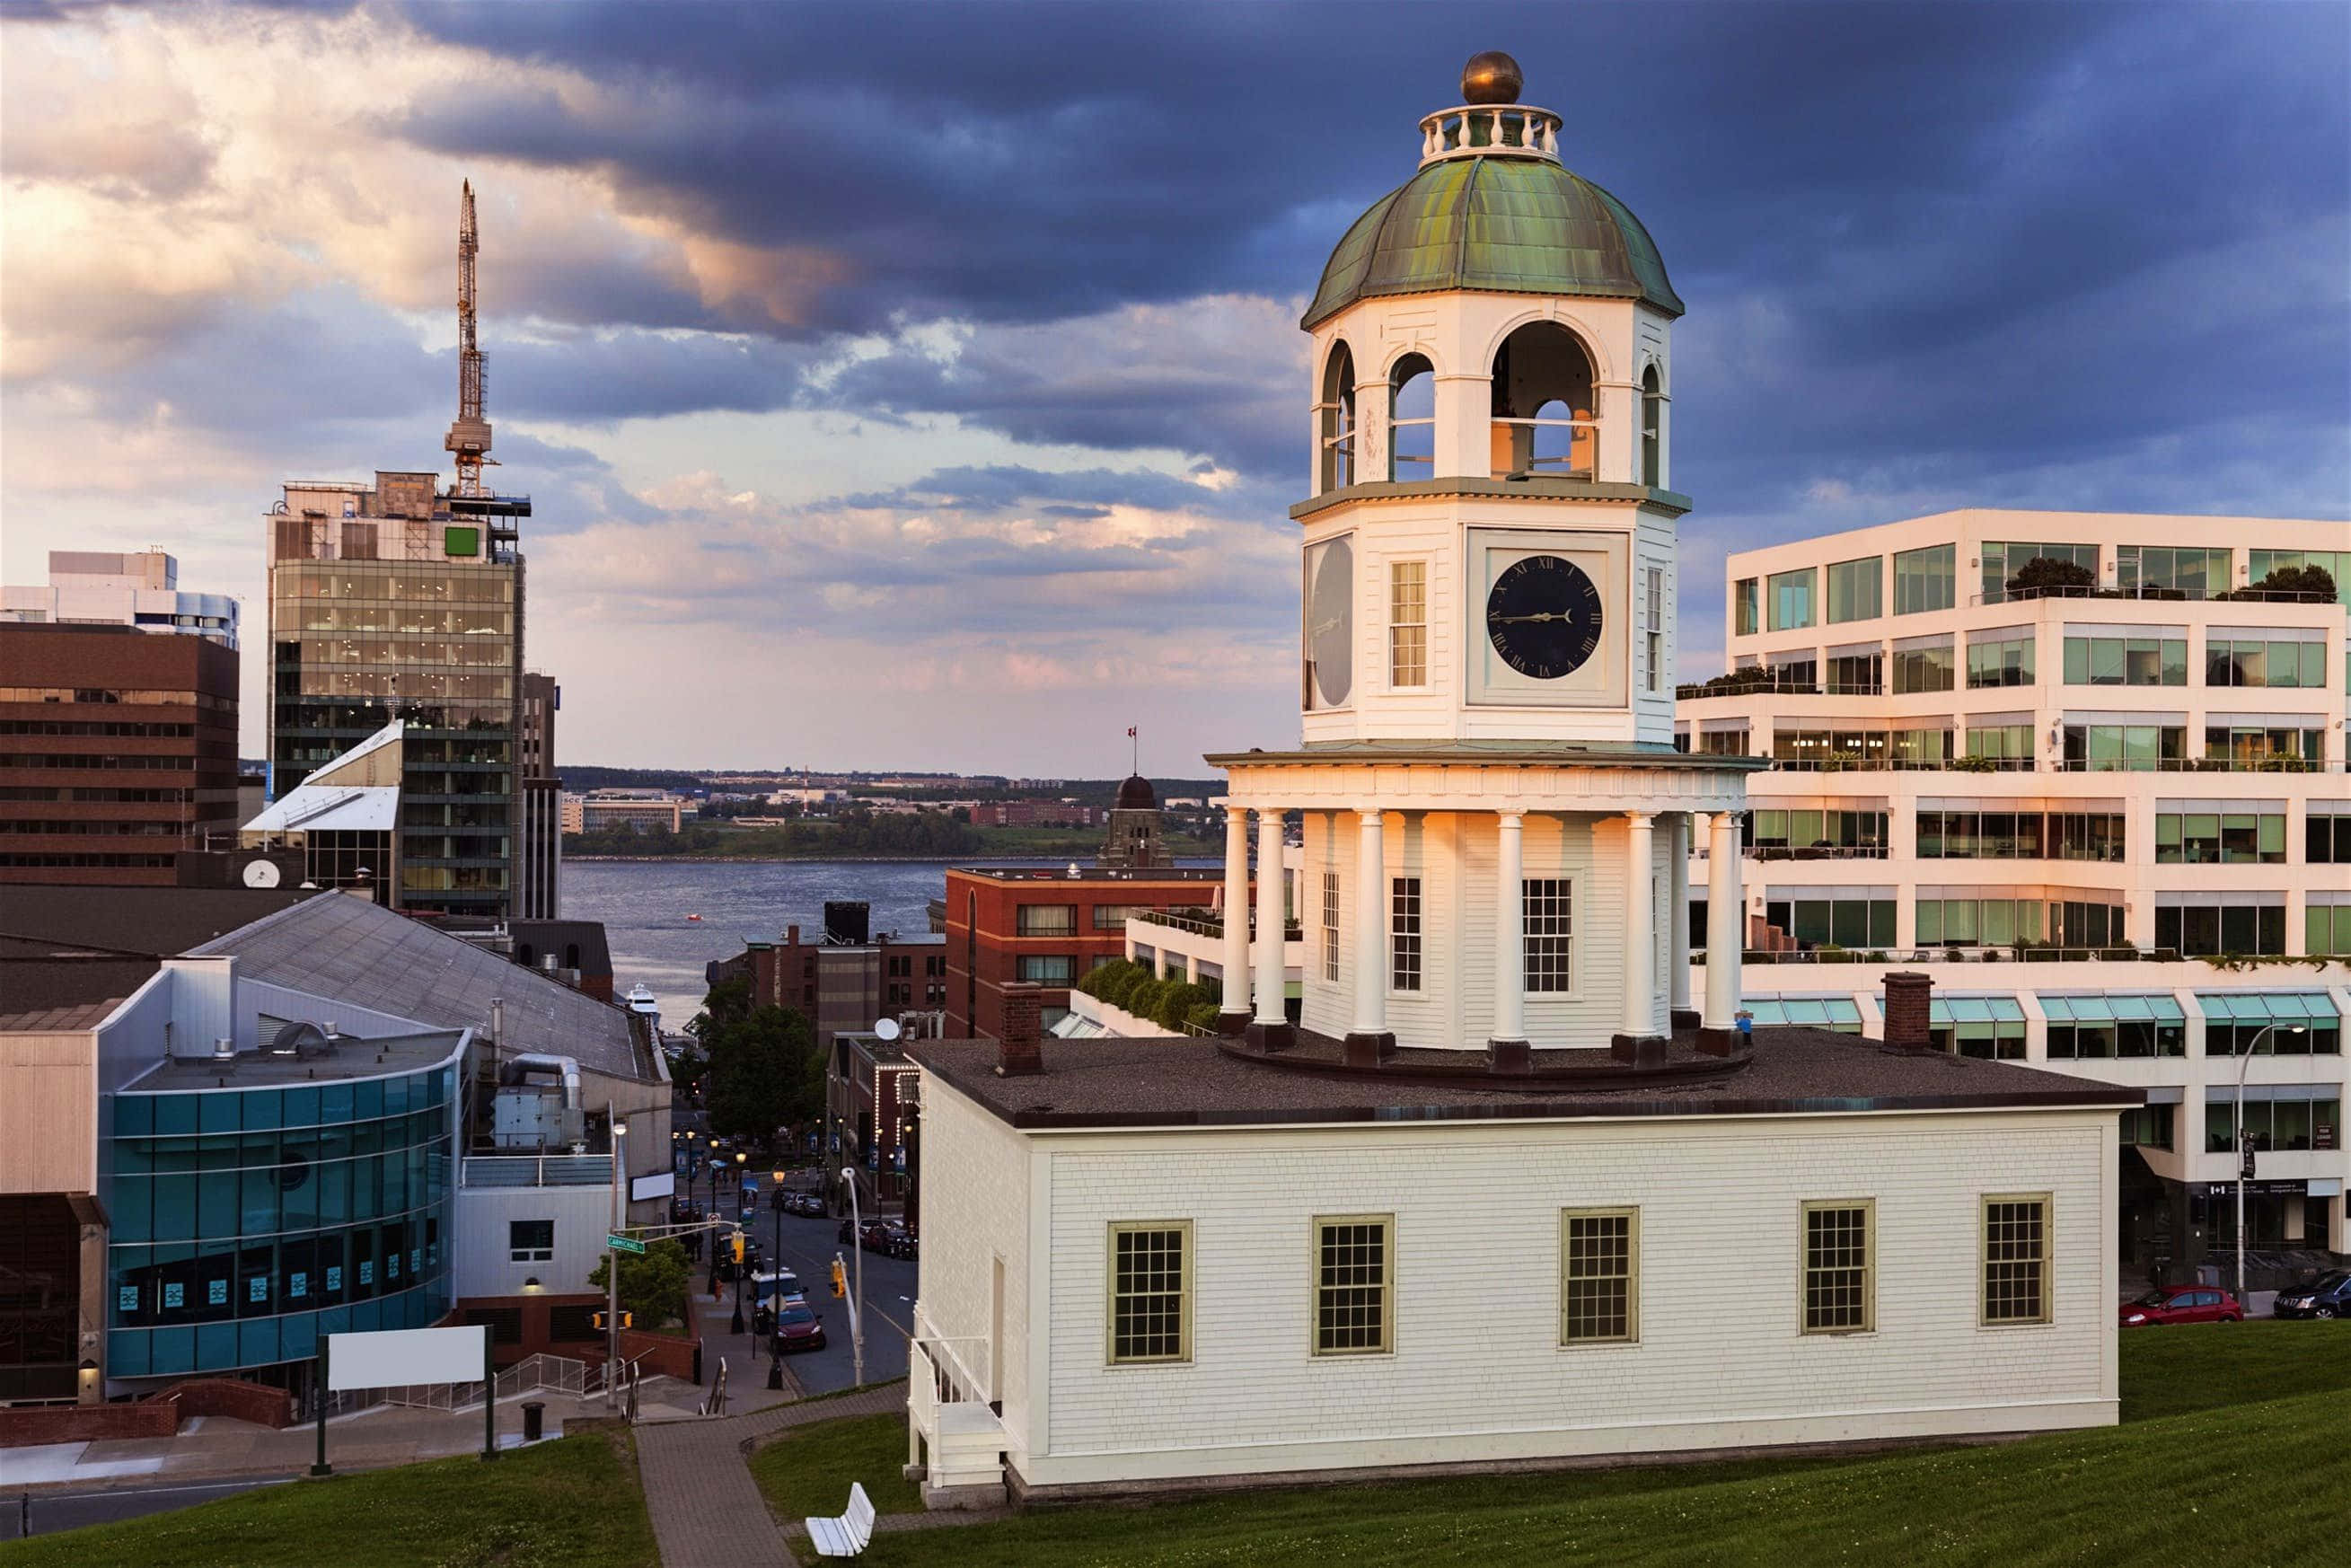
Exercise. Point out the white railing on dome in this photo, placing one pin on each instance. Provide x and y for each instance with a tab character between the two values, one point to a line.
1476	130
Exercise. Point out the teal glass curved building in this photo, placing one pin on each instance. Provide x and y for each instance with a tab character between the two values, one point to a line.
295	1194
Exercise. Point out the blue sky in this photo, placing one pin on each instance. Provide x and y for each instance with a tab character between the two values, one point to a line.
921	385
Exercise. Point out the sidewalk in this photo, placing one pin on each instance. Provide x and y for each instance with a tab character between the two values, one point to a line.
706	1510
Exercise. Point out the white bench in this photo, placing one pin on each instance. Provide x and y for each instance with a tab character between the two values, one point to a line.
847	1535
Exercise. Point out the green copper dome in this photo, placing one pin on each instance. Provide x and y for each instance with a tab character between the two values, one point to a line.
1504	225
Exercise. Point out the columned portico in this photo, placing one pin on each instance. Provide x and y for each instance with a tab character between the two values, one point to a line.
1233	1009
1369	1037
1726	925
1506	1049
1270	1026
1640	928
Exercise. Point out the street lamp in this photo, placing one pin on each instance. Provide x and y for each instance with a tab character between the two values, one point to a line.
2245	1144
776	1266
857	1301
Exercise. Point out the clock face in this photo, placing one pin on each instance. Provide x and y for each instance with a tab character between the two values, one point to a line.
260	873
1543	616
1331	624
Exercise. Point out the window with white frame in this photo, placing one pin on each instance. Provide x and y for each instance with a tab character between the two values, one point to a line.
1407	623
1404	933
1150	1291
2016	1258
1653	621
1329	924
1354	1264
1547	915
530	1241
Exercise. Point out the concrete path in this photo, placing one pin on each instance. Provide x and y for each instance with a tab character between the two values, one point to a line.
706	1510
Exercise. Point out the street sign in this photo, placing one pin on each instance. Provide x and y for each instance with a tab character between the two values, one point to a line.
624	1244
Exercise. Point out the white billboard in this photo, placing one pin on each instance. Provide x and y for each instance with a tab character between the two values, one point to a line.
661	1185
396	1358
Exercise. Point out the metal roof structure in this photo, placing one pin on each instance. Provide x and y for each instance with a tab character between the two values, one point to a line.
1501	225
356	951
336	808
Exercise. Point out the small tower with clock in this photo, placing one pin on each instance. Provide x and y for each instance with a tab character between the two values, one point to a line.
1496	823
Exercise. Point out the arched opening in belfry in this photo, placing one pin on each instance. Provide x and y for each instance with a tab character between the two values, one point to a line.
1653	429
1334	417
1543	420
1412	419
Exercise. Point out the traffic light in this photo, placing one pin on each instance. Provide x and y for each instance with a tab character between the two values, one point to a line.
739	1247
839	1279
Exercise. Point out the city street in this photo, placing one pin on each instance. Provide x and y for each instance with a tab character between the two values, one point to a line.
56	1510
809	1246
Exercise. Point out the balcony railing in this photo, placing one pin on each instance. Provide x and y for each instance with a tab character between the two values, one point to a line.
1207	924
538	1170
2027	954
1817	851
2157	594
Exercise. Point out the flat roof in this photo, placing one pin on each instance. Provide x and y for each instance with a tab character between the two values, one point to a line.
1187	1081
351	1057
1173	873
1503	753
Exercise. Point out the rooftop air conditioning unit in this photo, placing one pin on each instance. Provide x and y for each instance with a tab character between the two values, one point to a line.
223	1050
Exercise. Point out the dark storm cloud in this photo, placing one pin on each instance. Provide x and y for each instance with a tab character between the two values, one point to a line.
1958	237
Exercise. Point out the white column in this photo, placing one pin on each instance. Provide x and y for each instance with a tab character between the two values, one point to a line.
1370	926
1269	987
1725	923
1640	924
1235	1004
1510	931
1678	954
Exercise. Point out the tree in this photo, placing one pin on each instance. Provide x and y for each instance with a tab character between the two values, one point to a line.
765	1072
2309	580
653	1286
2043	574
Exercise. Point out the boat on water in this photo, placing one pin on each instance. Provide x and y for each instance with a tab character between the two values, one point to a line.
694	917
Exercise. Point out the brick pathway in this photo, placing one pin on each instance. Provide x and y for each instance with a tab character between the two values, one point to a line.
706	1510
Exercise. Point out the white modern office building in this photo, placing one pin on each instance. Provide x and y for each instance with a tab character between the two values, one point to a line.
2126	770
102	587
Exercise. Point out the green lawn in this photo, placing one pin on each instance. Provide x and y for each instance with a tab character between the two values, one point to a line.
570	1503
807	1473
2233	1453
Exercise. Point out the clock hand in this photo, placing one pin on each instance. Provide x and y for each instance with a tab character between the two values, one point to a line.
1546	615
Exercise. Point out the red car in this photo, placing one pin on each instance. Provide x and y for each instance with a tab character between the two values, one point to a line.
2183	1304
797	1328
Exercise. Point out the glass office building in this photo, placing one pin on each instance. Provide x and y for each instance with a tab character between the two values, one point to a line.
256	1209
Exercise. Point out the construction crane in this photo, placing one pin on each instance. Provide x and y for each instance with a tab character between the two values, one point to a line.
469	437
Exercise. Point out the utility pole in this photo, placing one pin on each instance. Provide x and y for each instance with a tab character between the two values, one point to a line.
612	1254
857	1301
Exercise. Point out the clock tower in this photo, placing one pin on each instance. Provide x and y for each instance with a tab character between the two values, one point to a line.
1496	823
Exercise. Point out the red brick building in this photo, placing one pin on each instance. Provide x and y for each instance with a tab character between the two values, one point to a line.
841	987
1047	926
118	749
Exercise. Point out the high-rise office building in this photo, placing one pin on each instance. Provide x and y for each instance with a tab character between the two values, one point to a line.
539	885
102	587
398	602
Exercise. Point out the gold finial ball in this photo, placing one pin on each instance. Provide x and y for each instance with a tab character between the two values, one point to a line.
1492	78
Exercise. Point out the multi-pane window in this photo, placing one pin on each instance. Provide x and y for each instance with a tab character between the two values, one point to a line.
1978	921
1858	672
1989	1029
2275	1121
1952	833
2326	833
1353	1266
2126	659
2337	564
1745	599
2326	923
1789	595
530	1241
1046	920
1151	1292
1653	622
1047	968
1828	919
2261	745
2000	659
2253	659
1547	910
2149	1127
2001	748
1329	924
1824	833
2204	925
2003	558
2016	1258
1403	933
1407	623
2124	748
2192	835
2169	571
1925	579
1922	667
1857	589
2111	1025
2270	1023
1599	1275
1838	1286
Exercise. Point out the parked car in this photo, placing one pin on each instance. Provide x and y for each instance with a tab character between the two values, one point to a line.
797	1328
2183	1304
804	1203
2329	1298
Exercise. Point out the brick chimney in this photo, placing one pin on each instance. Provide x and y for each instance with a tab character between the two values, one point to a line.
1908	1010
1019	1052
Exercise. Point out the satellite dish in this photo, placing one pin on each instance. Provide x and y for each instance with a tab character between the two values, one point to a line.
887	1028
